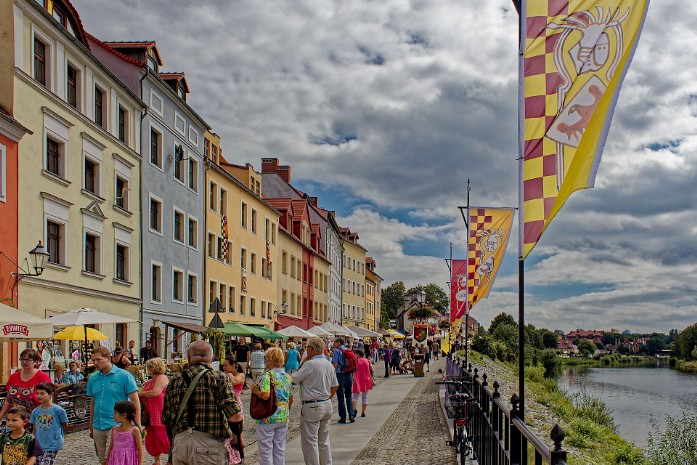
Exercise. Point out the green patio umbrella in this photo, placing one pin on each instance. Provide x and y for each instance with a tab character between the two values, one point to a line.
268	333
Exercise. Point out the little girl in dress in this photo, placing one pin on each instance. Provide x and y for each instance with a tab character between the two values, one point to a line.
126	445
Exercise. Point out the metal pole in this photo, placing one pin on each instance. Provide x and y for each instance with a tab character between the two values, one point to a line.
521	339
467	302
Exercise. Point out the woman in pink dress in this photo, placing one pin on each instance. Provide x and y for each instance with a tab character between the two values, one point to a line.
153	398
22	383
362	381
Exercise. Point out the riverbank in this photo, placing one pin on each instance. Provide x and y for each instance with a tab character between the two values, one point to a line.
605	360
686	367
591	437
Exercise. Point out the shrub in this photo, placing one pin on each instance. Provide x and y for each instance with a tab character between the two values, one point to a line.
677	445
549	360
628	454
593	409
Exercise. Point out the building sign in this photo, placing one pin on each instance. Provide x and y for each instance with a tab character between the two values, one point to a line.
15	330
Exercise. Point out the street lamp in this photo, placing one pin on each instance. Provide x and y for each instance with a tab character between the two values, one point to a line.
37	256
280	310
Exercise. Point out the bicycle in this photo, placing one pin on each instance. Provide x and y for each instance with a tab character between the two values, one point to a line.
462	440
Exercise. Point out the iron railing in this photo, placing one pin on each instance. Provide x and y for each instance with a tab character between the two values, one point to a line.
499	435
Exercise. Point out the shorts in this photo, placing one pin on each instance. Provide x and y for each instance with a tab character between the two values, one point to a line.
47	458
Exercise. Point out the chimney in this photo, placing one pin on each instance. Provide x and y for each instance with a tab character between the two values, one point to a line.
269	165
284	172
313	201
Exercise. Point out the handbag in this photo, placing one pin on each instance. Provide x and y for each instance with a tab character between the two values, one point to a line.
260	408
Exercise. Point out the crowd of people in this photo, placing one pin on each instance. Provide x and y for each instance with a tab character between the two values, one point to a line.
196	416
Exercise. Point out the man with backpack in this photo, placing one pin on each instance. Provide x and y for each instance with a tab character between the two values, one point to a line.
344	361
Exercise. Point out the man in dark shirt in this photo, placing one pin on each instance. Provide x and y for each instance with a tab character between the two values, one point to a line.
147	352
199	434
242	354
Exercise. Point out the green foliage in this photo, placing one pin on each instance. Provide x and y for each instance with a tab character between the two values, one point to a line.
685	343
483	344
629	454
586	347
549	338
593	409
392	297
216	338
501	318
437	297
677	444
584	433
508	335
549	360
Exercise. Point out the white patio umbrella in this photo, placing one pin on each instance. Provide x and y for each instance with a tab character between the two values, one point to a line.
363	332
319	332
87	316
18	325
295	331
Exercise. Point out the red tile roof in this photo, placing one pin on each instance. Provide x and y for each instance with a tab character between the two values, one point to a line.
176	77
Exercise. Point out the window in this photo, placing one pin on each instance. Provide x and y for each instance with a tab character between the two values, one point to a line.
213	196
292	267
155	148
253	262
243	258
193	175
55	154
263	268
54	242
193	233
122	131
252	306
292	303
122	192
155	215
178	232
254	221
72	78
156	283
40	52
284	264
243	303
298	273
219	255
223	295
179	123
244	215
206	148
99	106
212	287
91	176
273	234
211	245
192	289
231	300
152	64
92	253
223	201
122	262
177	285
178	163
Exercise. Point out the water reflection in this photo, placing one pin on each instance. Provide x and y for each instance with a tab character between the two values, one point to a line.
635	394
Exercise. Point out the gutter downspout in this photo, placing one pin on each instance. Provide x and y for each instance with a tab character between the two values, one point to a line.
140	212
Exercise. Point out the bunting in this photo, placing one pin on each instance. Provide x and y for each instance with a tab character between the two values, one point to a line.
574	55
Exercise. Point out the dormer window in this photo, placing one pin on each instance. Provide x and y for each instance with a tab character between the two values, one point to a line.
152	64
181	91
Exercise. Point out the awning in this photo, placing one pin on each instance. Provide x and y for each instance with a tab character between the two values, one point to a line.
241	329
268	333
363	332
188	327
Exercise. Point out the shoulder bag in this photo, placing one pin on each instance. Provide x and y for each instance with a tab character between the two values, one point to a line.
185	400
260	408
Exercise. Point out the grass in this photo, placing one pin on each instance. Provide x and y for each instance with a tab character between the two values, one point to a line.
687	367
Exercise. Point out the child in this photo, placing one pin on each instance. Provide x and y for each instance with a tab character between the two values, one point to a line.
18	447
126	437
49	421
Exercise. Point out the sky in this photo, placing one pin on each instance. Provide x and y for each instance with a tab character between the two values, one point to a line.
384	109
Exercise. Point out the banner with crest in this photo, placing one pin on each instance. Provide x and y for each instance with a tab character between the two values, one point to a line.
574	55
458	289
489	229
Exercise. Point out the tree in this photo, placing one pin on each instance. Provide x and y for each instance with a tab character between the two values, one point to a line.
392	298
508	335
437	298
501	318
549	339
685	342
586	347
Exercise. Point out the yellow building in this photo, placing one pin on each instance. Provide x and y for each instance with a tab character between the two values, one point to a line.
241	247
372	295
290	284
353	287
320	312
79	171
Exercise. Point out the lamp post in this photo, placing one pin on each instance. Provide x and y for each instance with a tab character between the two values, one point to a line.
279	310
38	256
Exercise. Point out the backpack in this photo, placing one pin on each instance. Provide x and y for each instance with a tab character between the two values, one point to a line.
350	361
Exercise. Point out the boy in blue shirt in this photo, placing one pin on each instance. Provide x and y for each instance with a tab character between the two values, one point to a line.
49	421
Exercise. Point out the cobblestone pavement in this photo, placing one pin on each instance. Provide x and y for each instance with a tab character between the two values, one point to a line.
420	430
416	431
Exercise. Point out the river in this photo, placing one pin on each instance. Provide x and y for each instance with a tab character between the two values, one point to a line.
635	394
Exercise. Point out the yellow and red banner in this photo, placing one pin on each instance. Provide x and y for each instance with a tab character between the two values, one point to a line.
574	55
458	289
489	229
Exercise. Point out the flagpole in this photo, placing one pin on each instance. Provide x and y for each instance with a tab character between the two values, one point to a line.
467	301
521	7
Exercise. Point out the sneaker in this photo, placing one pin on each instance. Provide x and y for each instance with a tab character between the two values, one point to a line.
352	419
342	421
362	415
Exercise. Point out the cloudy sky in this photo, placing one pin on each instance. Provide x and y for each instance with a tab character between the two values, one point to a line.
385	108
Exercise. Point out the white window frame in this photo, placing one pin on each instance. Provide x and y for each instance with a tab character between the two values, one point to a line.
79	85
183	284
64	240
127	270
185	170
151	196
193	161
153	264
126	191
62	150
105	105
196	289
159	145
188	229
177	118
99	256
154	97
127	123
184	226
98	174
50	59
213	189
193	132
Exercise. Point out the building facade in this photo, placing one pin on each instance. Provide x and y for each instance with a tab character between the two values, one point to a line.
242	246
373	283
172	215
353	283
80	170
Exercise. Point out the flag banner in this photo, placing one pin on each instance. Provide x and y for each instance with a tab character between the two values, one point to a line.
420	333
224	233
458	289
489	229
574	55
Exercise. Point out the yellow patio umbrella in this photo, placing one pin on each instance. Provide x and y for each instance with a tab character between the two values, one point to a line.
78	333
